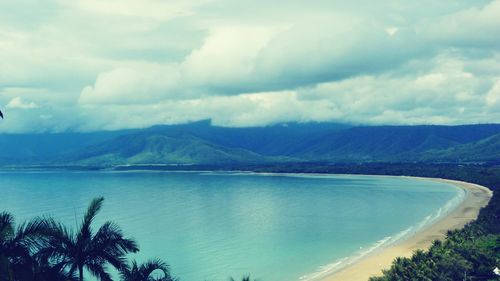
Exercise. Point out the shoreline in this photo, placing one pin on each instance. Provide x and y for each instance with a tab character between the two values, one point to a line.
372	264
476	197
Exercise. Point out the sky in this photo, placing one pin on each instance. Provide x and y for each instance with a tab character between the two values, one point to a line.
89	65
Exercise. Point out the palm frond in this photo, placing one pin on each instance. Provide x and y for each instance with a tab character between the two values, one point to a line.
6	226
99	271
109	244
245	278
60	244
147	268
93	209
33	234
110	236
146	271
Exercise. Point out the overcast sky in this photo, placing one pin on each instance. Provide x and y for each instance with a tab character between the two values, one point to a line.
85	65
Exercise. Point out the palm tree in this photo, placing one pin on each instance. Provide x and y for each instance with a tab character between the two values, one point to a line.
144	272
85	249
245	278
18	246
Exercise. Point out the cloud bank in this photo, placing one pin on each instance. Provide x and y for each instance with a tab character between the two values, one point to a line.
107	65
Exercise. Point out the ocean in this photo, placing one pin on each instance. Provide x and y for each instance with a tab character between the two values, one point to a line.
213	225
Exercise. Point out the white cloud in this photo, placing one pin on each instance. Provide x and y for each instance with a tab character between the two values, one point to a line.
111	64
161	10
138	84
392	30
473	27
255	109
228	54
19	103
493	96
446	94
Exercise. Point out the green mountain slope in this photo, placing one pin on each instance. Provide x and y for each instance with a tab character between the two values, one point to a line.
484	150
381	143
202	143
146	148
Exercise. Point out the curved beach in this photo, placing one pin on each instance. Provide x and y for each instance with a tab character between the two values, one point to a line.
476	197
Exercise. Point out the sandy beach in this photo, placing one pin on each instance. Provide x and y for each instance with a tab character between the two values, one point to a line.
476	197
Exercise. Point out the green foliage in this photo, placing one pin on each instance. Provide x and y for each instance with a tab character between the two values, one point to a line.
45	250
152	270
84	249
458	258
19	248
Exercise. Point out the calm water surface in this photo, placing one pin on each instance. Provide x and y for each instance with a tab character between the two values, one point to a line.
209	226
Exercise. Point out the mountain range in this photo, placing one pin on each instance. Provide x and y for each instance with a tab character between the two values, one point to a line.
202	143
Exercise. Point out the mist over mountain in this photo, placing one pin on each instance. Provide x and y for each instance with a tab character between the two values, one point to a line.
202	143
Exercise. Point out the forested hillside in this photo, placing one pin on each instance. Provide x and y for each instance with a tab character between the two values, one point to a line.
201	143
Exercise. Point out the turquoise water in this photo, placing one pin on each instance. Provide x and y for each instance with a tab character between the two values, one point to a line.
209	226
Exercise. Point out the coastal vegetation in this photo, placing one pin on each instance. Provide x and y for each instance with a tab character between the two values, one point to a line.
470	254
